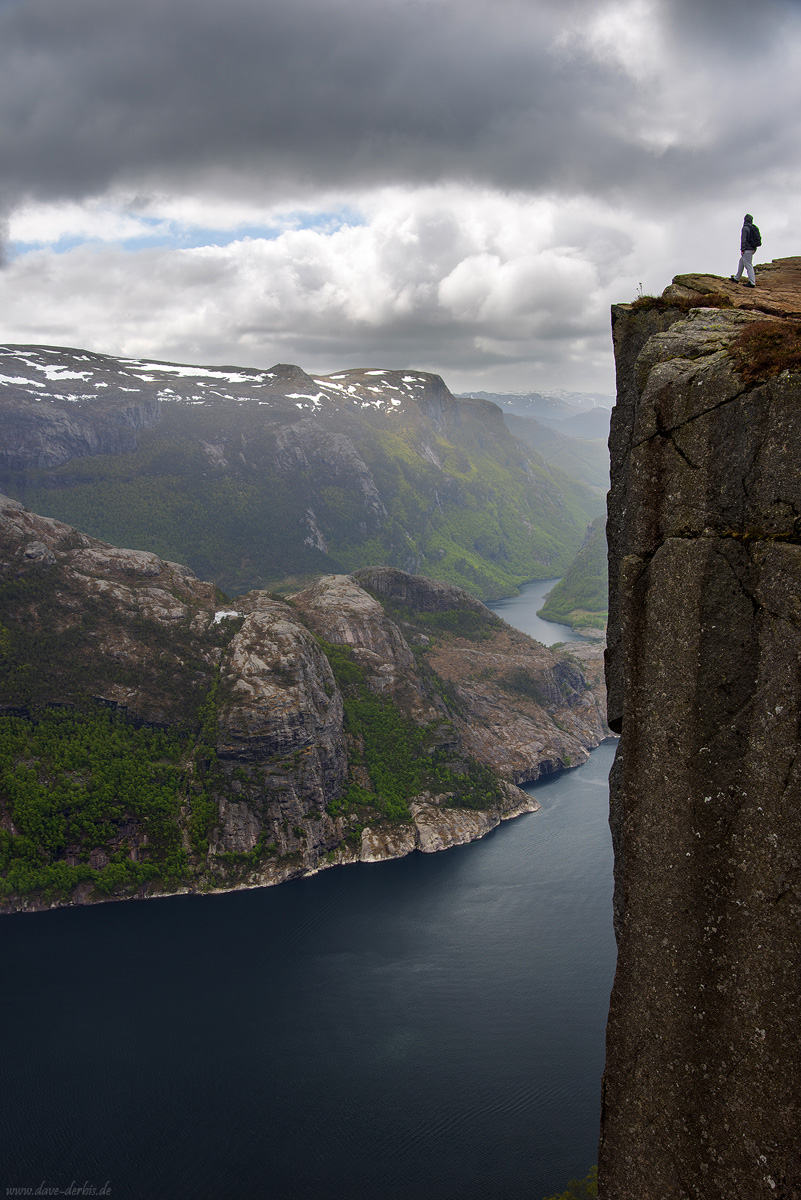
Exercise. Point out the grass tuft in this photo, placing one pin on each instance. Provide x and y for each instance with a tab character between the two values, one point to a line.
766	348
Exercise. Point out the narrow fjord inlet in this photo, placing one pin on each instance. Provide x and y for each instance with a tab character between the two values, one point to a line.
431	1026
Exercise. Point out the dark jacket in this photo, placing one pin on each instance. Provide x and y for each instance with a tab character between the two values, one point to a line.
750	238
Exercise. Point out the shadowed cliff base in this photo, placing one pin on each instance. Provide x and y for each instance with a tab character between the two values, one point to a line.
701	1088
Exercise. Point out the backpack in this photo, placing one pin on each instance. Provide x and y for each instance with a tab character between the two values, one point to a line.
756	237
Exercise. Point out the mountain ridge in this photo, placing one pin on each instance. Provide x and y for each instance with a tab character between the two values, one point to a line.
267	478
556	405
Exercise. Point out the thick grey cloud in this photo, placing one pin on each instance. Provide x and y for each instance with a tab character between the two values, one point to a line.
293	93
280	97
476	286
460	185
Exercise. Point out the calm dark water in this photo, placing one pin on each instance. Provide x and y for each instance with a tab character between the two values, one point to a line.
428	1027
521	611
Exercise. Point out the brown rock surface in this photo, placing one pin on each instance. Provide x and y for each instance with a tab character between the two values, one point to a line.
343	613
527	710
134	623
777	292
701	1088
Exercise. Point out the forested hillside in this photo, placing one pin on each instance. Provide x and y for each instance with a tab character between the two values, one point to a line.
580	599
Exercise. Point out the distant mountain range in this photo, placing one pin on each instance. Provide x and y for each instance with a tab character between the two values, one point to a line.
586	459
560	408
259	478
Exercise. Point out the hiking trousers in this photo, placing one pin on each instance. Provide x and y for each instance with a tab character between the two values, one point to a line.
746	264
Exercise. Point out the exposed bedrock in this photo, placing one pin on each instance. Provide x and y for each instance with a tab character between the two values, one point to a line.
701	1088
417	592
280	699
341	612
39	435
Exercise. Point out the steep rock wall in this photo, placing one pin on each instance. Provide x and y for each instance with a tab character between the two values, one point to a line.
46	435
701	1094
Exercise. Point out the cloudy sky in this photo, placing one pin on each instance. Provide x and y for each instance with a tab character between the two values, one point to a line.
461	186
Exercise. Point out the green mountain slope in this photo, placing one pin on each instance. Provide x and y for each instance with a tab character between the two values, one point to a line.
264	479
585	459
580	599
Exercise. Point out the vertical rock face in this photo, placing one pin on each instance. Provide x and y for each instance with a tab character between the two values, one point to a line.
701	1089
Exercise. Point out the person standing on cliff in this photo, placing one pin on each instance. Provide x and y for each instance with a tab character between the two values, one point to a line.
750	240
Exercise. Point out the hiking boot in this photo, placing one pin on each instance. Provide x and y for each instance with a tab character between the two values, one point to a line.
750	284
734	279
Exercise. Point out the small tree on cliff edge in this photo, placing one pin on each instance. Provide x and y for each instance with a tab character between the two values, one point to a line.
580	1189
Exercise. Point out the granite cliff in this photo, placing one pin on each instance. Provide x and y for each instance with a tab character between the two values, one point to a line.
155	739
701	1088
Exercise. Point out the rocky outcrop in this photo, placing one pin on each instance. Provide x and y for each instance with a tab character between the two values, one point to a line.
417	592
520	707
701	1092
125	626
435	826
279	704
342	612
524	710
284	714
280	692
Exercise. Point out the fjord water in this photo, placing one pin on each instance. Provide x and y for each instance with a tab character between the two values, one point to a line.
427	1027
521	611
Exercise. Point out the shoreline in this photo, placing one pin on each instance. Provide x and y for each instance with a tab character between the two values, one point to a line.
397	842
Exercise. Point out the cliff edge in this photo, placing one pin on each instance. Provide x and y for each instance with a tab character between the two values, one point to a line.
701	1088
